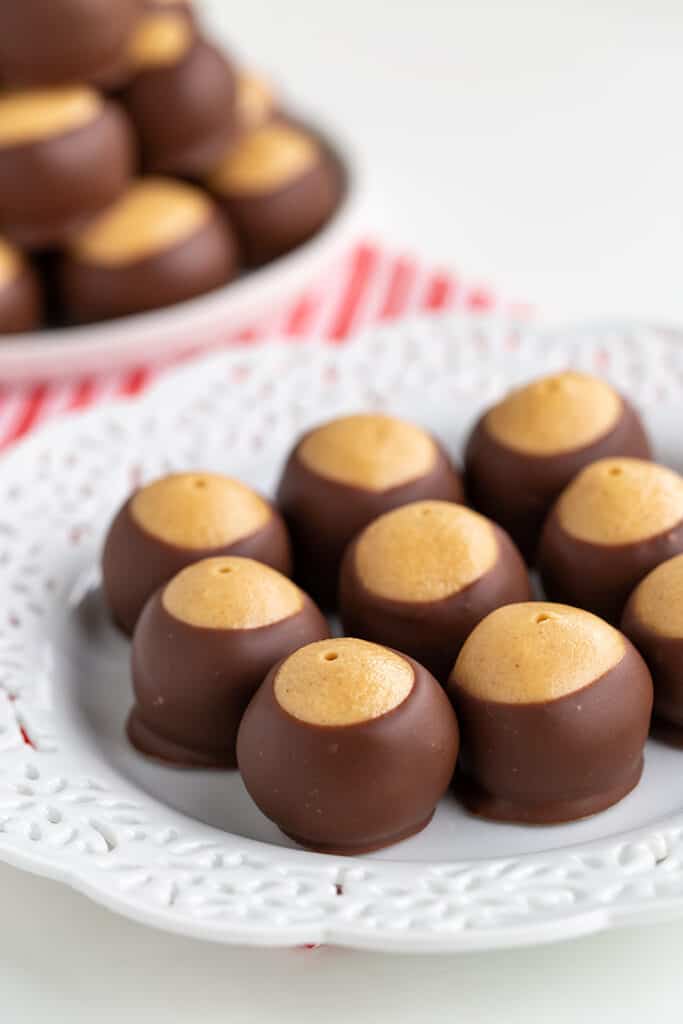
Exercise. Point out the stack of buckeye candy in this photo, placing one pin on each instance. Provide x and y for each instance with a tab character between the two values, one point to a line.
138	166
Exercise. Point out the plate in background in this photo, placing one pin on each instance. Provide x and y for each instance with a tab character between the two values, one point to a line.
197	323
188	851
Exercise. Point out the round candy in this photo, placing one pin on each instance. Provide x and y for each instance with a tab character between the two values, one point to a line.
21	300
421	577
181	97
65	154
342	475
653	620
279	187
348	746
51	42
527	448
178	520
617	520
202	647
554	709
163	242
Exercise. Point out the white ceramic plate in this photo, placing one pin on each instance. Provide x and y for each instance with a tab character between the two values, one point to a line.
188	851
193	324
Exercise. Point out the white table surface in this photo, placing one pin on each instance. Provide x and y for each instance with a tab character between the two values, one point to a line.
535	144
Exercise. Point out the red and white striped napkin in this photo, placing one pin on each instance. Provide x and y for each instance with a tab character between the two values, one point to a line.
369	285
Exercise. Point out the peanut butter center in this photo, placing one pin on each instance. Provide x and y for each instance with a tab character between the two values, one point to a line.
425	551
536	651
11	263
231	593
264	160
38	114
154	215
371	451
621	501
555	414
199	510
342	682
658	600
161	38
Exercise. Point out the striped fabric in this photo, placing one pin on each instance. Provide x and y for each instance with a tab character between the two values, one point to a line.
370	285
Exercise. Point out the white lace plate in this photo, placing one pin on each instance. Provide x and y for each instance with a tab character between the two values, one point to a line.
187	851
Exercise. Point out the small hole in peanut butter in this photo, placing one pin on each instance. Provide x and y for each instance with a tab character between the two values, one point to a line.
225	570
542	618
200	484
331	656
615	471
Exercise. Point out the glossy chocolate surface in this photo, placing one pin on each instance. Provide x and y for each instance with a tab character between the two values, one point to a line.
51	187
432	632
21	303
192	684
62	41
323	516
354	788
184	112
599	577
559	760
206	260
271	224
517	489
135	563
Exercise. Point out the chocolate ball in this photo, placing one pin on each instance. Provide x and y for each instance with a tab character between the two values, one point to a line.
279	187
348	746
203	645
163	242
181	96
50	42
343	474
65	154
178	520
554	709
653	621
527	448
420	578
617	520
21	301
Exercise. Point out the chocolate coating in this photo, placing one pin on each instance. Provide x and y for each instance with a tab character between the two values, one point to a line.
599	577
557	760
208	259
432	632
517	489
205	679
354	788
184	112
21	303
664	657
135	563
49	188
323	515
58	41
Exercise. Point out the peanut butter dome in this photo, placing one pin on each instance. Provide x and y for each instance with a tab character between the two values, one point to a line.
554	707
419	578
614	523
658	600
555	414
536	651
528	447
345	473
342	682
181	519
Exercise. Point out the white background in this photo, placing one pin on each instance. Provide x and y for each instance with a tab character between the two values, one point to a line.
537	145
